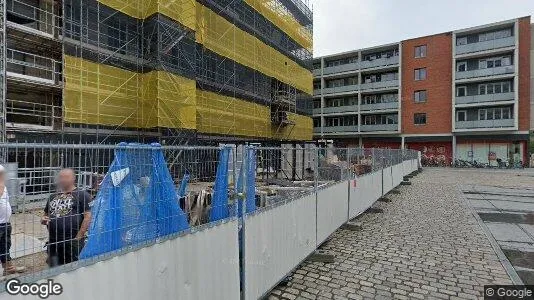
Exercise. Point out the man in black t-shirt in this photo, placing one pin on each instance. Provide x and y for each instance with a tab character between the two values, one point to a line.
67	215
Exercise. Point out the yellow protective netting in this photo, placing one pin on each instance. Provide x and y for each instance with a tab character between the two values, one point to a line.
302	130
169	101
182	11
271	10
106	95
218	114
100	94
225	39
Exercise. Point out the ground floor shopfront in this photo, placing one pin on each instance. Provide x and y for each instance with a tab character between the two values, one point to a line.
442	150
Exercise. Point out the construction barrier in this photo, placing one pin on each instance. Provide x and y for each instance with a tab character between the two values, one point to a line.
332	210
302	195
277	240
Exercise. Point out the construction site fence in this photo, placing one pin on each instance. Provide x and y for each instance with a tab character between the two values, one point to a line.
195	222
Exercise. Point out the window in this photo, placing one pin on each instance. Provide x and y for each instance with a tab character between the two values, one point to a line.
461	41
420	51
481	114
420	74
419	119
419	96
461	66
461	116
506	113
316	122
461	91
494	88
494	62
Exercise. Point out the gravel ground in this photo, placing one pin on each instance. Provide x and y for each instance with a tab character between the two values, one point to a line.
425	245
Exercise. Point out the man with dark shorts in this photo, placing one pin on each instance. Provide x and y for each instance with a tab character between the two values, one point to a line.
67	215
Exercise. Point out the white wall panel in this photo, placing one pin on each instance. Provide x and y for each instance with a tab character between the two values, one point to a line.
276	241
332	209
201	265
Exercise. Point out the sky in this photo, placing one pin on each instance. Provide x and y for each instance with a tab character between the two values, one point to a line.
343	25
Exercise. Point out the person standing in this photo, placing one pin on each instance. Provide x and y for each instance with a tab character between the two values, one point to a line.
5	228
67	215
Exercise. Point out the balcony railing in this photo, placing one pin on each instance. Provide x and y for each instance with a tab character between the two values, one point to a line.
317	92
32	67
485	72
338	129
503	123
379	85
316	72
486	45
37	18
485	98
379	106
341	89
381	62
341	68
379	127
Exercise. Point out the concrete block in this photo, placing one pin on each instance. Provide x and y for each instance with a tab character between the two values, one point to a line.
322	256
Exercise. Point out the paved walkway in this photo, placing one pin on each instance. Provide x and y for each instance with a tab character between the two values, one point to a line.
426	245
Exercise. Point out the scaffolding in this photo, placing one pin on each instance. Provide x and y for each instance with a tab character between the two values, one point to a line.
158	70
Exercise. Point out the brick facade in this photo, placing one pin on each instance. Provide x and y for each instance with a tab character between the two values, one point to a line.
438	64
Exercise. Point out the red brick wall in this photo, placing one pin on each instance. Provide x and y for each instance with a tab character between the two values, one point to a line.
524	73
438	84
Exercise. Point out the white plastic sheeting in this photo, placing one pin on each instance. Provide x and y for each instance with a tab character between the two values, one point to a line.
332	209
276	241
201	265
364	191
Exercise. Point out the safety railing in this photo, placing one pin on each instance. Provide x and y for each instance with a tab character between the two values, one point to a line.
202	222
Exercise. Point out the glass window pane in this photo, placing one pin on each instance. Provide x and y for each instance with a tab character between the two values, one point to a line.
505	87
497	114
482	114
490	89
497	88
482	89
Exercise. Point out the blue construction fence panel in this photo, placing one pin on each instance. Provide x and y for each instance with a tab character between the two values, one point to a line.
136	202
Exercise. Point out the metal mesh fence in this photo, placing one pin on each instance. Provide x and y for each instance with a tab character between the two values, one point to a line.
113	197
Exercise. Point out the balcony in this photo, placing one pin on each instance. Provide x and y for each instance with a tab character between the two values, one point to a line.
316	129
379	127
341	89
503	123
340	129
486	45
317	92
37	19
485	72
340	109
316	72
341	68
486	98
379	85
379	106
381	62
33	68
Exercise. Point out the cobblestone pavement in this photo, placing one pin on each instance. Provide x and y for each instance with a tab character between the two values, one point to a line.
425	245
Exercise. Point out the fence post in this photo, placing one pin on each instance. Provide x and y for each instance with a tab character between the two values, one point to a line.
316	190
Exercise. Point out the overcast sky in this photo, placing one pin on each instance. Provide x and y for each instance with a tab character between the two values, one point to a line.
343	25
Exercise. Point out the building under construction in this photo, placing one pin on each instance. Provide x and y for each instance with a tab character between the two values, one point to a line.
173	71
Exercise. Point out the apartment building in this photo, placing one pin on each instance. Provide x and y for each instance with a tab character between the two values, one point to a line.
177	72
464	94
